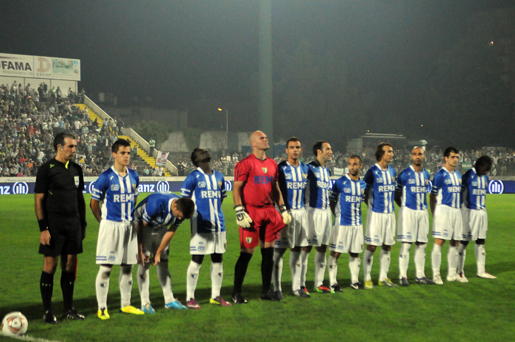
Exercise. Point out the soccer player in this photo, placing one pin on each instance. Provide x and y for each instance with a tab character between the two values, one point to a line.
320	218
475	218
117	189
61	213
347	236
254	193
380	231
292	182
445	203
413	225
151	218
208	237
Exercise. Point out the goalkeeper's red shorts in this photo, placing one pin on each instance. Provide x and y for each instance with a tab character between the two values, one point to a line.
266	225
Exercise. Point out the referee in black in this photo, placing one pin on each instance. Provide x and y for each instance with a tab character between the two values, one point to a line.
61	213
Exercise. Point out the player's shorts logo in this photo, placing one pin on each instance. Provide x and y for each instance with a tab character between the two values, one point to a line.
496	187
163	186
20	188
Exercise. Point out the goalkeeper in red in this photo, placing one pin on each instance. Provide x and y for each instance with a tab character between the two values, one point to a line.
255	191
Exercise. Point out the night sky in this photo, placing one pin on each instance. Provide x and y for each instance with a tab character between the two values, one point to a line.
179	52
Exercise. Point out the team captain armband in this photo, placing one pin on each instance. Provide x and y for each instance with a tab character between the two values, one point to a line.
43	225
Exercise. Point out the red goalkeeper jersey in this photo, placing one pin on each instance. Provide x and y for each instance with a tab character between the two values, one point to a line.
259	177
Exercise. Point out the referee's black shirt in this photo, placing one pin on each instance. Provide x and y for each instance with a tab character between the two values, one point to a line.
62	185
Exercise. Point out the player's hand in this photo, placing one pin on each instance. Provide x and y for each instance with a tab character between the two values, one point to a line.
157	259
242	218
285	214
45	237
83	233
141	258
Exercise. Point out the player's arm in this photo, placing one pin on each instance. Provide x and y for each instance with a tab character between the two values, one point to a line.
278	198
164	243
237	192
44	236
332	203
95	208
432	203
82	204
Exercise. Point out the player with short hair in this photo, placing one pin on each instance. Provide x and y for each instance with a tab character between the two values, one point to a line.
347	236
255	191
61	213
117	189
445	203
208	236
380	231
413	225
152	217
475	217
320	218
292	182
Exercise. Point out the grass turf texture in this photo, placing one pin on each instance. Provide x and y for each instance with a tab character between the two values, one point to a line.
477	311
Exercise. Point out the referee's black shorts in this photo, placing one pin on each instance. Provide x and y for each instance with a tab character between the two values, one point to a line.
65	236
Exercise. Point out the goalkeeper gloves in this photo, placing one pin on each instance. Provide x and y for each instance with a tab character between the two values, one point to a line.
242	218
285	214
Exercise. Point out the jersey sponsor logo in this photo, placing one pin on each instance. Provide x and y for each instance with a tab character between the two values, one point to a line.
263	179
161	186
323	185
295	185
210	194
353	199
454	189
479	192
115	187
287	176
202	184
448	181
20	188
418	189
347	190
123	198
379	180
386	188
265	170
411	181
474	183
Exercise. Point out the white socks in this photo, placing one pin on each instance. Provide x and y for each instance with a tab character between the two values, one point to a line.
125	283
480	258
217	275
192	279
354	264
278	268
452	261
420	260
144	283
163	275
384	264
296	270
462	255
367	265
304	267
436	259
102	286
333	270
319	268
404	260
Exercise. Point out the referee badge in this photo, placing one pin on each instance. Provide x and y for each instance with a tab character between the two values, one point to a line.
77	181
264	169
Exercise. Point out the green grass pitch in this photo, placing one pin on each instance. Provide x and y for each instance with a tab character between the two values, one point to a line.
482	310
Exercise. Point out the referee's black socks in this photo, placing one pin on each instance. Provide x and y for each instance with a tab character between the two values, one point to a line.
67	284
240	270
46	285
267	267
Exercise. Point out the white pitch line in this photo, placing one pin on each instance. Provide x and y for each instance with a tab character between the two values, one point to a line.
28	338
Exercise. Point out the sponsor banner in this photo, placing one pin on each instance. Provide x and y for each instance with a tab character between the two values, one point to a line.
16	65
338	171
24	188
57	68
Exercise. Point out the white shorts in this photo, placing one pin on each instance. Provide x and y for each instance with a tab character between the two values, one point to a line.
413	225
380	229
296	233
475	224
208	243
320	223
345	239
117	243
447	223
152	237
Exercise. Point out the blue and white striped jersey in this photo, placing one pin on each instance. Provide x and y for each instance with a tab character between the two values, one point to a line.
447	188
208	192
319	185
292	182
349	195
414	189
381	189
117	194
158	210
474	190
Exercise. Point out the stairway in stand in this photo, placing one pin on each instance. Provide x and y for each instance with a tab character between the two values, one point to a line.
141	153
